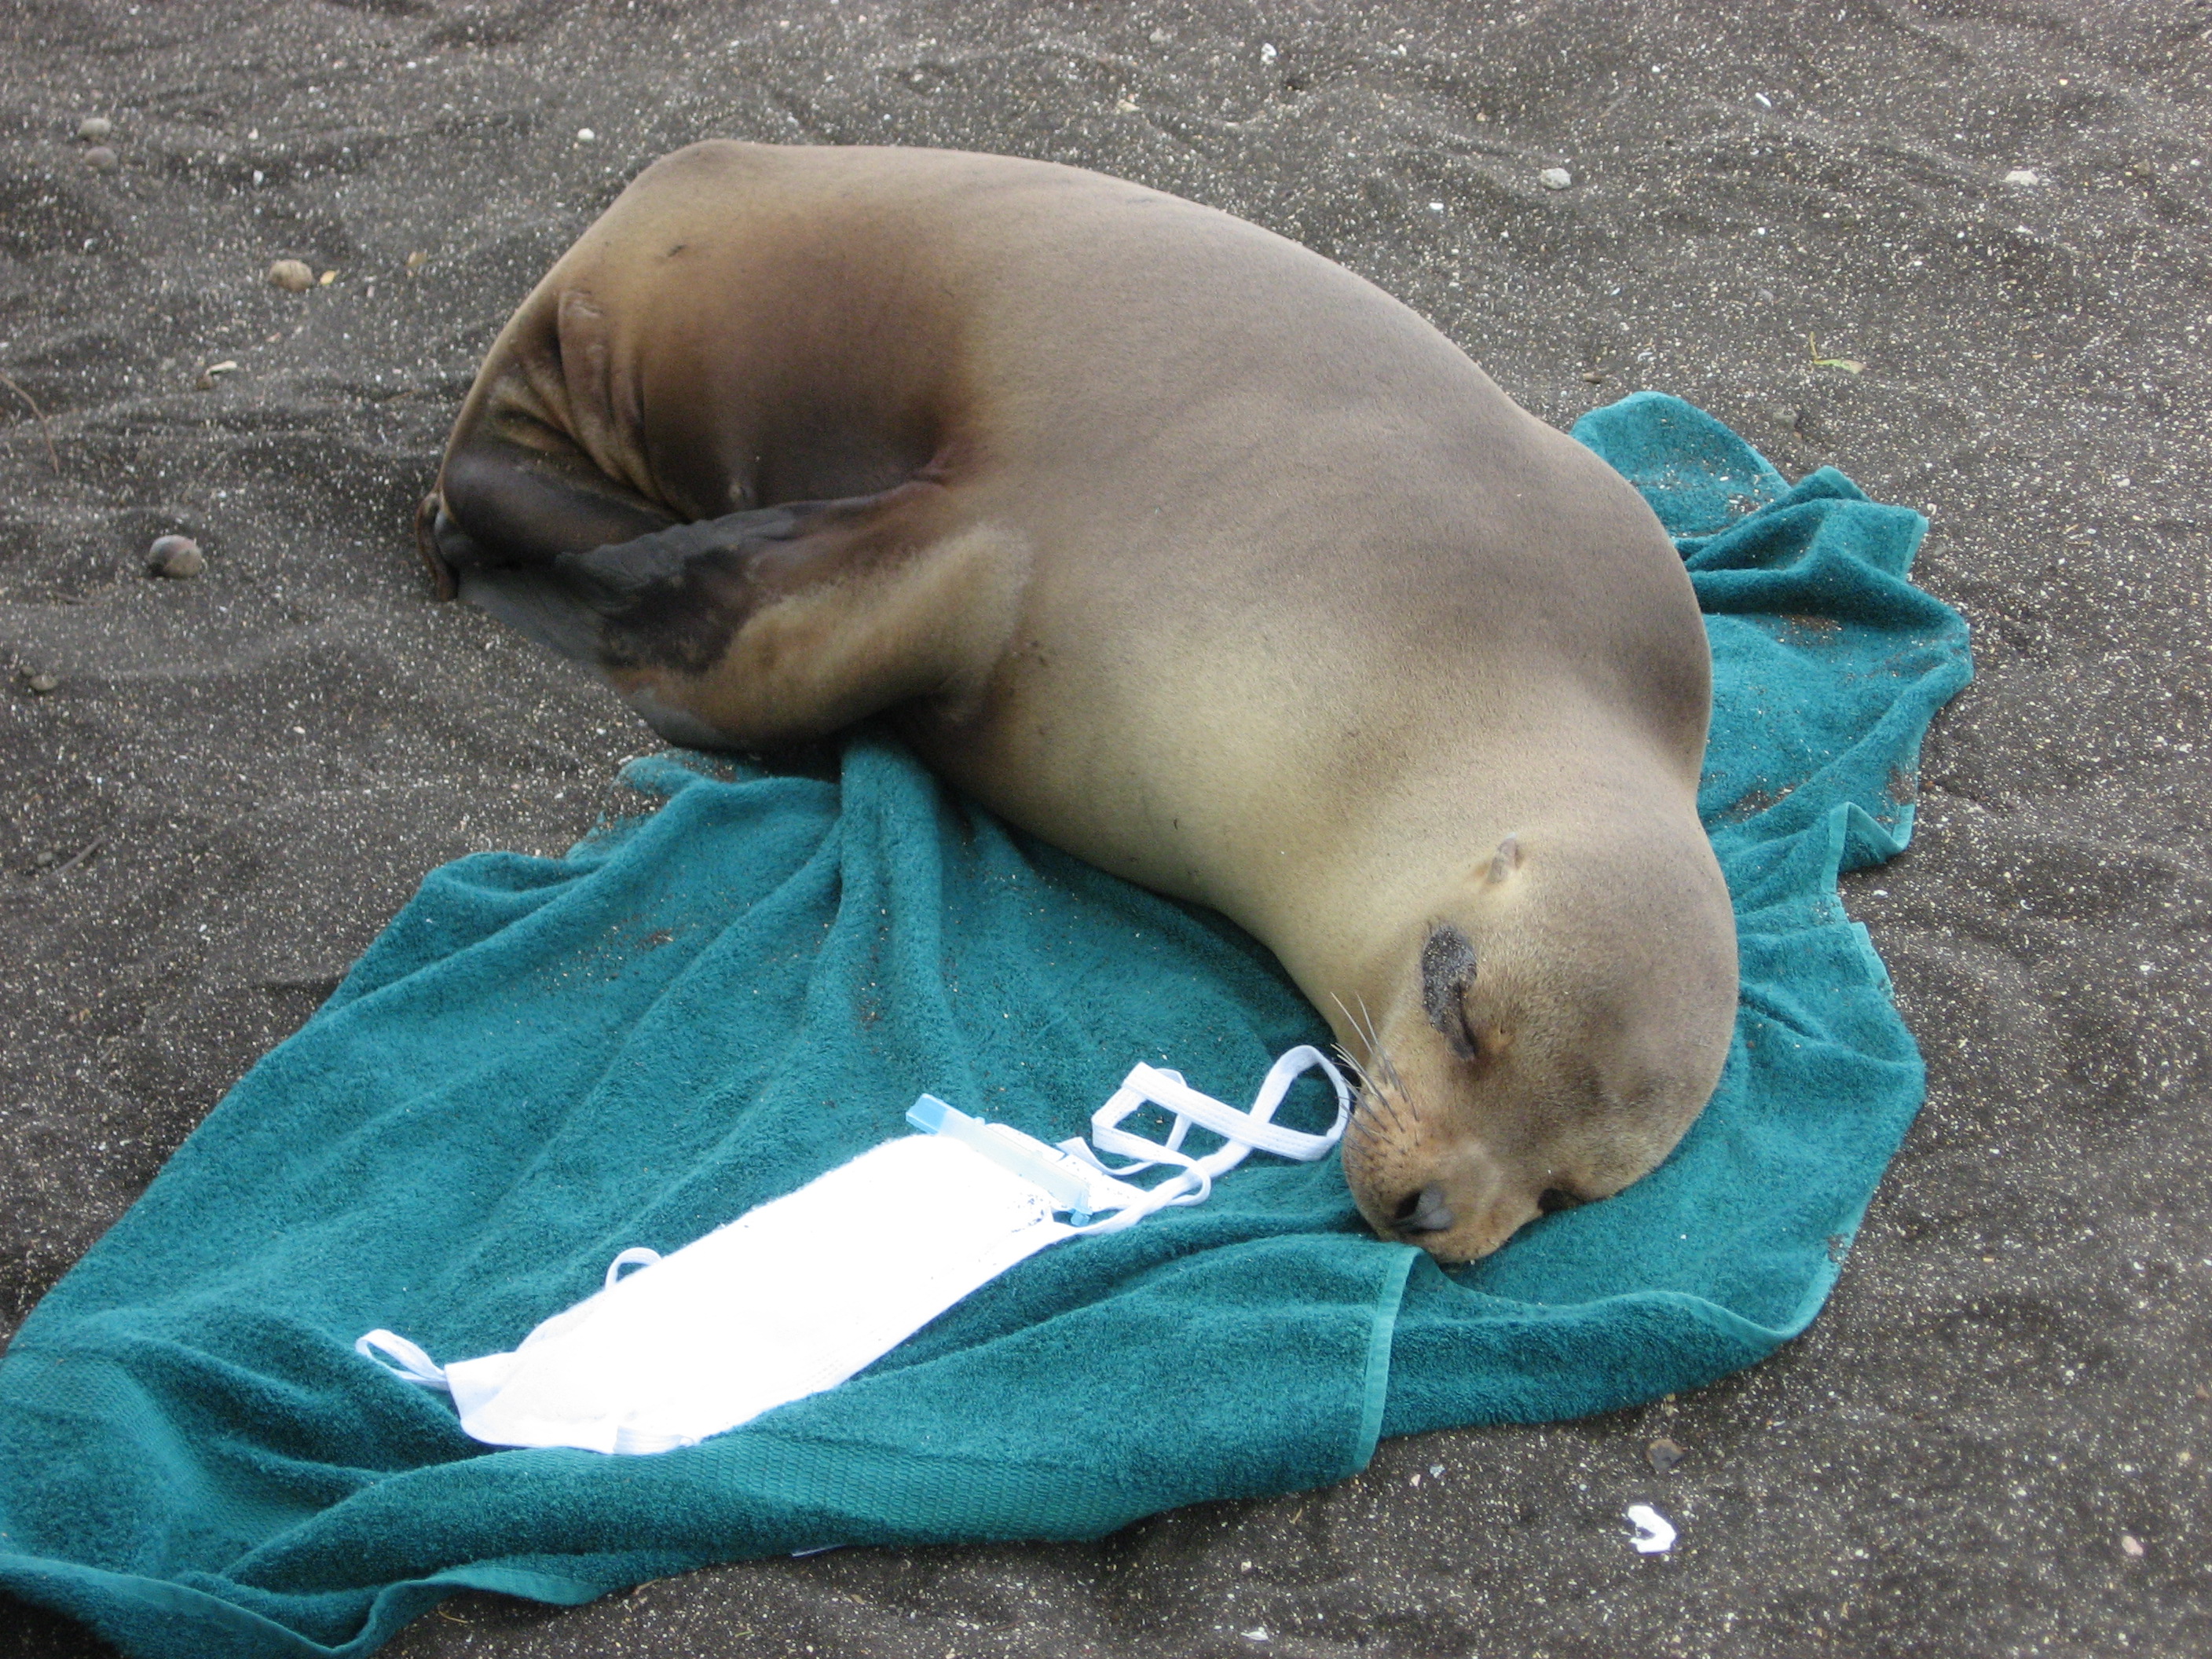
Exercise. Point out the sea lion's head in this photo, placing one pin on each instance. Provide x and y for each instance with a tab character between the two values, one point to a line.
1553	1029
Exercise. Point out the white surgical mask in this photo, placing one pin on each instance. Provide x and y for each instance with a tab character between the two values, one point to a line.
804	1291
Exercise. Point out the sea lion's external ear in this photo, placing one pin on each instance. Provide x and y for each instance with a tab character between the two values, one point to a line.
1508	858
1448	967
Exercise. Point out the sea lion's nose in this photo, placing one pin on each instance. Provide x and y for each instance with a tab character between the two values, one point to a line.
1424	1211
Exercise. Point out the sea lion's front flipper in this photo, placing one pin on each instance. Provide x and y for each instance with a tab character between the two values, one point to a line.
774	625
674	598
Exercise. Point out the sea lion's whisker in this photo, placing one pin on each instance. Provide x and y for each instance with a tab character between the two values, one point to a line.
1358	1071
1367	1024
1381	1055
1390	1102
1375	1090
1363	1032
1398	1087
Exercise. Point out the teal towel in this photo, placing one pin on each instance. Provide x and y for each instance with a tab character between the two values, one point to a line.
543	1061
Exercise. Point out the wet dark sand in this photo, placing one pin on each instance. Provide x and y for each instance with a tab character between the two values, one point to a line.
1993	1443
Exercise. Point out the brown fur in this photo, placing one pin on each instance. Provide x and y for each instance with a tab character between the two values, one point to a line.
1188	550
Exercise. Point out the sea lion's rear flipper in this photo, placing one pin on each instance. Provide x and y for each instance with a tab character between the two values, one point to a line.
500	505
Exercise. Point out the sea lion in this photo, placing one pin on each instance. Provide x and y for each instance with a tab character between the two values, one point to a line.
1181	547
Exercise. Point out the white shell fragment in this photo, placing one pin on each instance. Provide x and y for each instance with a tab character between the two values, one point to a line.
1654	1533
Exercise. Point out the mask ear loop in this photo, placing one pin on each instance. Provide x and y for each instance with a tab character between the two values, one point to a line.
415	1366
1241	1132
637	1256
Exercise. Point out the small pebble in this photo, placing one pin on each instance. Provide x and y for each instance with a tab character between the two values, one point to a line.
292	275
1663	1455
100	159
2022	176
2130	1544
175	555
1594	377
94	128
43	684
585	135
1555	178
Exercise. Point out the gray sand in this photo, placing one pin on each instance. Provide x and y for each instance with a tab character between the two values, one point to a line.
1994	1441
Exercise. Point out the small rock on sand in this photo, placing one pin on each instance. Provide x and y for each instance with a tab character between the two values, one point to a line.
94	129
1555	178
2023	176
100	158
1663	1455
175	555
42	683
292	275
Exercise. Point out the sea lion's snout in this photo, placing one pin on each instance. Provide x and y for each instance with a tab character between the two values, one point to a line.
1467	1211
1424	1211
1446	1193
1427	1218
